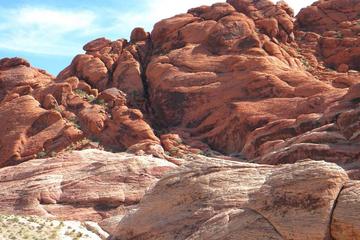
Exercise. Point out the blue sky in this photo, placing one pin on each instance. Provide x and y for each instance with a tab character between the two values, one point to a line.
49	33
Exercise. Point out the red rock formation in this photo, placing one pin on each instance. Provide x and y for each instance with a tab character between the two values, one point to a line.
242	80
338	23
238	74
29	129
229	88
43	116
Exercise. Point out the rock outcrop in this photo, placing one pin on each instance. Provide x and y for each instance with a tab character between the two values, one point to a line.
216	79
217	200
30	129
86	185
337	22
42	116
238	81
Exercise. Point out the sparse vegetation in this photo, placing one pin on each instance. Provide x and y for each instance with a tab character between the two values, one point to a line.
339	35
58	109
41	154
100	102
75	122
205	153
174	151
82	143
36	228
306	63
90	98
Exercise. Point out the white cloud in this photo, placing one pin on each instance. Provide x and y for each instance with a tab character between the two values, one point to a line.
155	10
298	4
54	20
42	30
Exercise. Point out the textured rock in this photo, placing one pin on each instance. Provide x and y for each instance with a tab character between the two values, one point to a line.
241	80
346	223
28	129
337	22
224	200
85	185
238	69
238	59
16	74
75	113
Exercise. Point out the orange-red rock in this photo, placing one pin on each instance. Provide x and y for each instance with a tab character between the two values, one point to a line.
27	129
337	22
242	80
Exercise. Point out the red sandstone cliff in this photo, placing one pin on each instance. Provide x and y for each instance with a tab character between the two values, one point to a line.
242	81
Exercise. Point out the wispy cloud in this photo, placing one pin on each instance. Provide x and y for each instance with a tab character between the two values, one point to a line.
155	10
43	30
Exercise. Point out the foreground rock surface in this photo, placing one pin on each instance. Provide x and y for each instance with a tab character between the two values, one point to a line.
86	185
225	200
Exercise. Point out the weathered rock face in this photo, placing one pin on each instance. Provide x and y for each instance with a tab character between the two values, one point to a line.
42	116
240	75
345	223
17	76
237	63
338	24
29	129
242	80
117	64
212	201
86	185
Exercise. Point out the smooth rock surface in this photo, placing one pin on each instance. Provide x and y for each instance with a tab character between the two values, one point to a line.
222	200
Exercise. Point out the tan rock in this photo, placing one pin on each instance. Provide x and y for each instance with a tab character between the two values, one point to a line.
346	223
84	185
228	199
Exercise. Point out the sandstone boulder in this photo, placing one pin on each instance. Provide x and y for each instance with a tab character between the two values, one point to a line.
225	200
29	130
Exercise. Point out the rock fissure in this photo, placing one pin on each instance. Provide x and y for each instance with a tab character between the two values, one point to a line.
333	210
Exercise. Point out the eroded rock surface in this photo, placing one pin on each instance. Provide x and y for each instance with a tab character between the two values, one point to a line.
84	185
225	200
42	116
240	80
337	22
216	80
